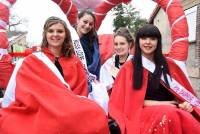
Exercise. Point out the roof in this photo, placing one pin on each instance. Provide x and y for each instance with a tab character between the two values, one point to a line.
154	13
15	33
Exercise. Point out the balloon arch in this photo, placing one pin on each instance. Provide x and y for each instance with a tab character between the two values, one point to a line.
176	16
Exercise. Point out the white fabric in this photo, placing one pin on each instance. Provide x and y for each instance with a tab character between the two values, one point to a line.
9	95
99	95
106	76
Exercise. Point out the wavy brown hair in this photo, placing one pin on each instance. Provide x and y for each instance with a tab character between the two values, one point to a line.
67	47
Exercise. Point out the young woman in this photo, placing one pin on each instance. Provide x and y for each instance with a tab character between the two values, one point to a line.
123	42
151	93
42	93
88	37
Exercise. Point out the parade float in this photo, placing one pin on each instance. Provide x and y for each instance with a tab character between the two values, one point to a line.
173	9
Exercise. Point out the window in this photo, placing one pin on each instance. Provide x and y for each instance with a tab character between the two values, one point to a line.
191	15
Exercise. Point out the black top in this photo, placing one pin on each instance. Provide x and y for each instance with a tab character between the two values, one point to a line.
117	63
59	67
160	94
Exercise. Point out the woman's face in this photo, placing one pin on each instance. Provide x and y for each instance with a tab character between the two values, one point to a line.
85	24
148	45
121	46
55	36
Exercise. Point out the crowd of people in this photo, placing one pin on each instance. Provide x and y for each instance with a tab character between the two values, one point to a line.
48	90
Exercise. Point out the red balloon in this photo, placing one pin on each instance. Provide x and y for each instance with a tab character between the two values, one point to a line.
68	8
3	40
4	14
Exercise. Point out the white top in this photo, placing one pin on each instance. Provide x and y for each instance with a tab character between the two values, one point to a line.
108	71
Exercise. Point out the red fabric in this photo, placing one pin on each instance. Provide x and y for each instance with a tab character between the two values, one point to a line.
4	14
72	11
73	15
6	69
167	120
106	46
179	50
126	104
3	40
77	84
44	105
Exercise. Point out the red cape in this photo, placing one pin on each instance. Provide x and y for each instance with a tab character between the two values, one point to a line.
6	69
126	103
44	105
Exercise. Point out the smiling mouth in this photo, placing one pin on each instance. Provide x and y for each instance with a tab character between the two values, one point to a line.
147	47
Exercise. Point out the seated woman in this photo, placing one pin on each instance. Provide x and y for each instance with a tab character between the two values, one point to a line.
43	95
88	37
151	94
123	42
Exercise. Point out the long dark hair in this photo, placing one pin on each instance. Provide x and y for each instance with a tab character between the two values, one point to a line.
149	30
67	47
92	35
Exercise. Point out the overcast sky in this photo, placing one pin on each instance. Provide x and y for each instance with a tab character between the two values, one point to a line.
37	11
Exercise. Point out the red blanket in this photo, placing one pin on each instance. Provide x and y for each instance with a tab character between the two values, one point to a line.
44	105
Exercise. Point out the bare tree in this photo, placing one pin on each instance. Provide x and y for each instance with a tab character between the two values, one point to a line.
16	22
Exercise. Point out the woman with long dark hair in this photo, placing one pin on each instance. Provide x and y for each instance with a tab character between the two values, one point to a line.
151	93
89	41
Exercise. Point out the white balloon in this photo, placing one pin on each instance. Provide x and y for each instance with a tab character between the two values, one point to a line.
86	4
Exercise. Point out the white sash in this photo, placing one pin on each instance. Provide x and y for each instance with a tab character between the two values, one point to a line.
174	85
80	53
41	56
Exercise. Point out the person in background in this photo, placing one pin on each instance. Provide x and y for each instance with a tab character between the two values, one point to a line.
151	94
123	42
88	38
45	89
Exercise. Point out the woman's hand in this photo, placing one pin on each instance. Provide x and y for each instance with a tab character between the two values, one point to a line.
186	106
154	103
